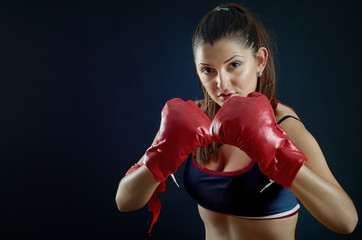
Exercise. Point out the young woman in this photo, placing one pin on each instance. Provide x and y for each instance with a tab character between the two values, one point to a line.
250	160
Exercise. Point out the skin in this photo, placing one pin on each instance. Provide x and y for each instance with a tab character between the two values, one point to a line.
226	69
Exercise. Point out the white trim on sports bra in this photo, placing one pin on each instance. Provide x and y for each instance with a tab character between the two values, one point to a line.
275	216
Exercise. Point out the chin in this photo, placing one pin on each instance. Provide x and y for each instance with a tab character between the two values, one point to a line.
220	103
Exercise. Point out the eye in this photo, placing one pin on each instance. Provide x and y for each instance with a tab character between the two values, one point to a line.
207	70
234	65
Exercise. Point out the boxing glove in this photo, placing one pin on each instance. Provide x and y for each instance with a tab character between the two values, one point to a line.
184	127
249	124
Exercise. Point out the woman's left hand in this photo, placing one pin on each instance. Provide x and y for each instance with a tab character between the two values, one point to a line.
249	124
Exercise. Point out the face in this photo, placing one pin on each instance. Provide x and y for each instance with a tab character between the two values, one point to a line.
227	69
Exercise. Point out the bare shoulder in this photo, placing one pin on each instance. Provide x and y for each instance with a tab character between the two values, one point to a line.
304	140
284	110
292	126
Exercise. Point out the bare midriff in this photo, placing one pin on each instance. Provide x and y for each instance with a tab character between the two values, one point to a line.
220	226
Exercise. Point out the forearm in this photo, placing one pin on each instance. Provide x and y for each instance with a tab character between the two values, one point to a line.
327	202
135	189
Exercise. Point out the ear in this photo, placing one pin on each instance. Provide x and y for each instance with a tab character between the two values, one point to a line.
261	58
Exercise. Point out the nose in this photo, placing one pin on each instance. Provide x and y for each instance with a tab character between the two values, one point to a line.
223	81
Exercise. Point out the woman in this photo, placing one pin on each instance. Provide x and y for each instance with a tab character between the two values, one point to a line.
250	158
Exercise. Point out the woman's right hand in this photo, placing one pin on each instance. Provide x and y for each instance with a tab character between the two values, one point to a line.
184	127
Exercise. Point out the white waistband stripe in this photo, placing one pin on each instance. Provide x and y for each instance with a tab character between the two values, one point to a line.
278	215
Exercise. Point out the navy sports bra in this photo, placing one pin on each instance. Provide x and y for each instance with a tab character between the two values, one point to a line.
246	193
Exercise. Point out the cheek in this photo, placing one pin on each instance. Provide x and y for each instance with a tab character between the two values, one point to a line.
248	80
209	86
204	82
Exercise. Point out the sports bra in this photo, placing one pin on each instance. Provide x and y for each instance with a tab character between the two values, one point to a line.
246	193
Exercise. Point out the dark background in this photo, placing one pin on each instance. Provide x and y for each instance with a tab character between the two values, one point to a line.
82	84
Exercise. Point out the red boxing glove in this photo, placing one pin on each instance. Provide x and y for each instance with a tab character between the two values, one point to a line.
249	124
184	127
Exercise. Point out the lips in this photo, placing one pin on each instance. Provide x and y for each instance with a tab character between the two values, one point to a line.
226	96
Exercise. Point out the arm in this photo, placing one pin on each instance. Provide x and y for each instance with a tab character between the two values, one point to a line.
135	189
315	185
184	127
288	156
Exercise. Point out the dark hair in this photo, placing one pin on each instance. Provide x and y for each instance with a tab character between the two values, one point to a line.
232	21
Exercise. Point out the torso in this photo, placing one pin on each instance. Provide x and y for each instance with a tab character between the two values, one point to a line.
220	226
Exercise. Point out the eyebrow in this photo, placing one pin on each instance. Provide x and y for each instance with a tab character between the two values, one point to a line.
225	61
233	57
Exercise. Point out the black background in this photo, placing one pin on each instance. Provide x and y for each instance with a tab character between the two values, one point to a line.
83	84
